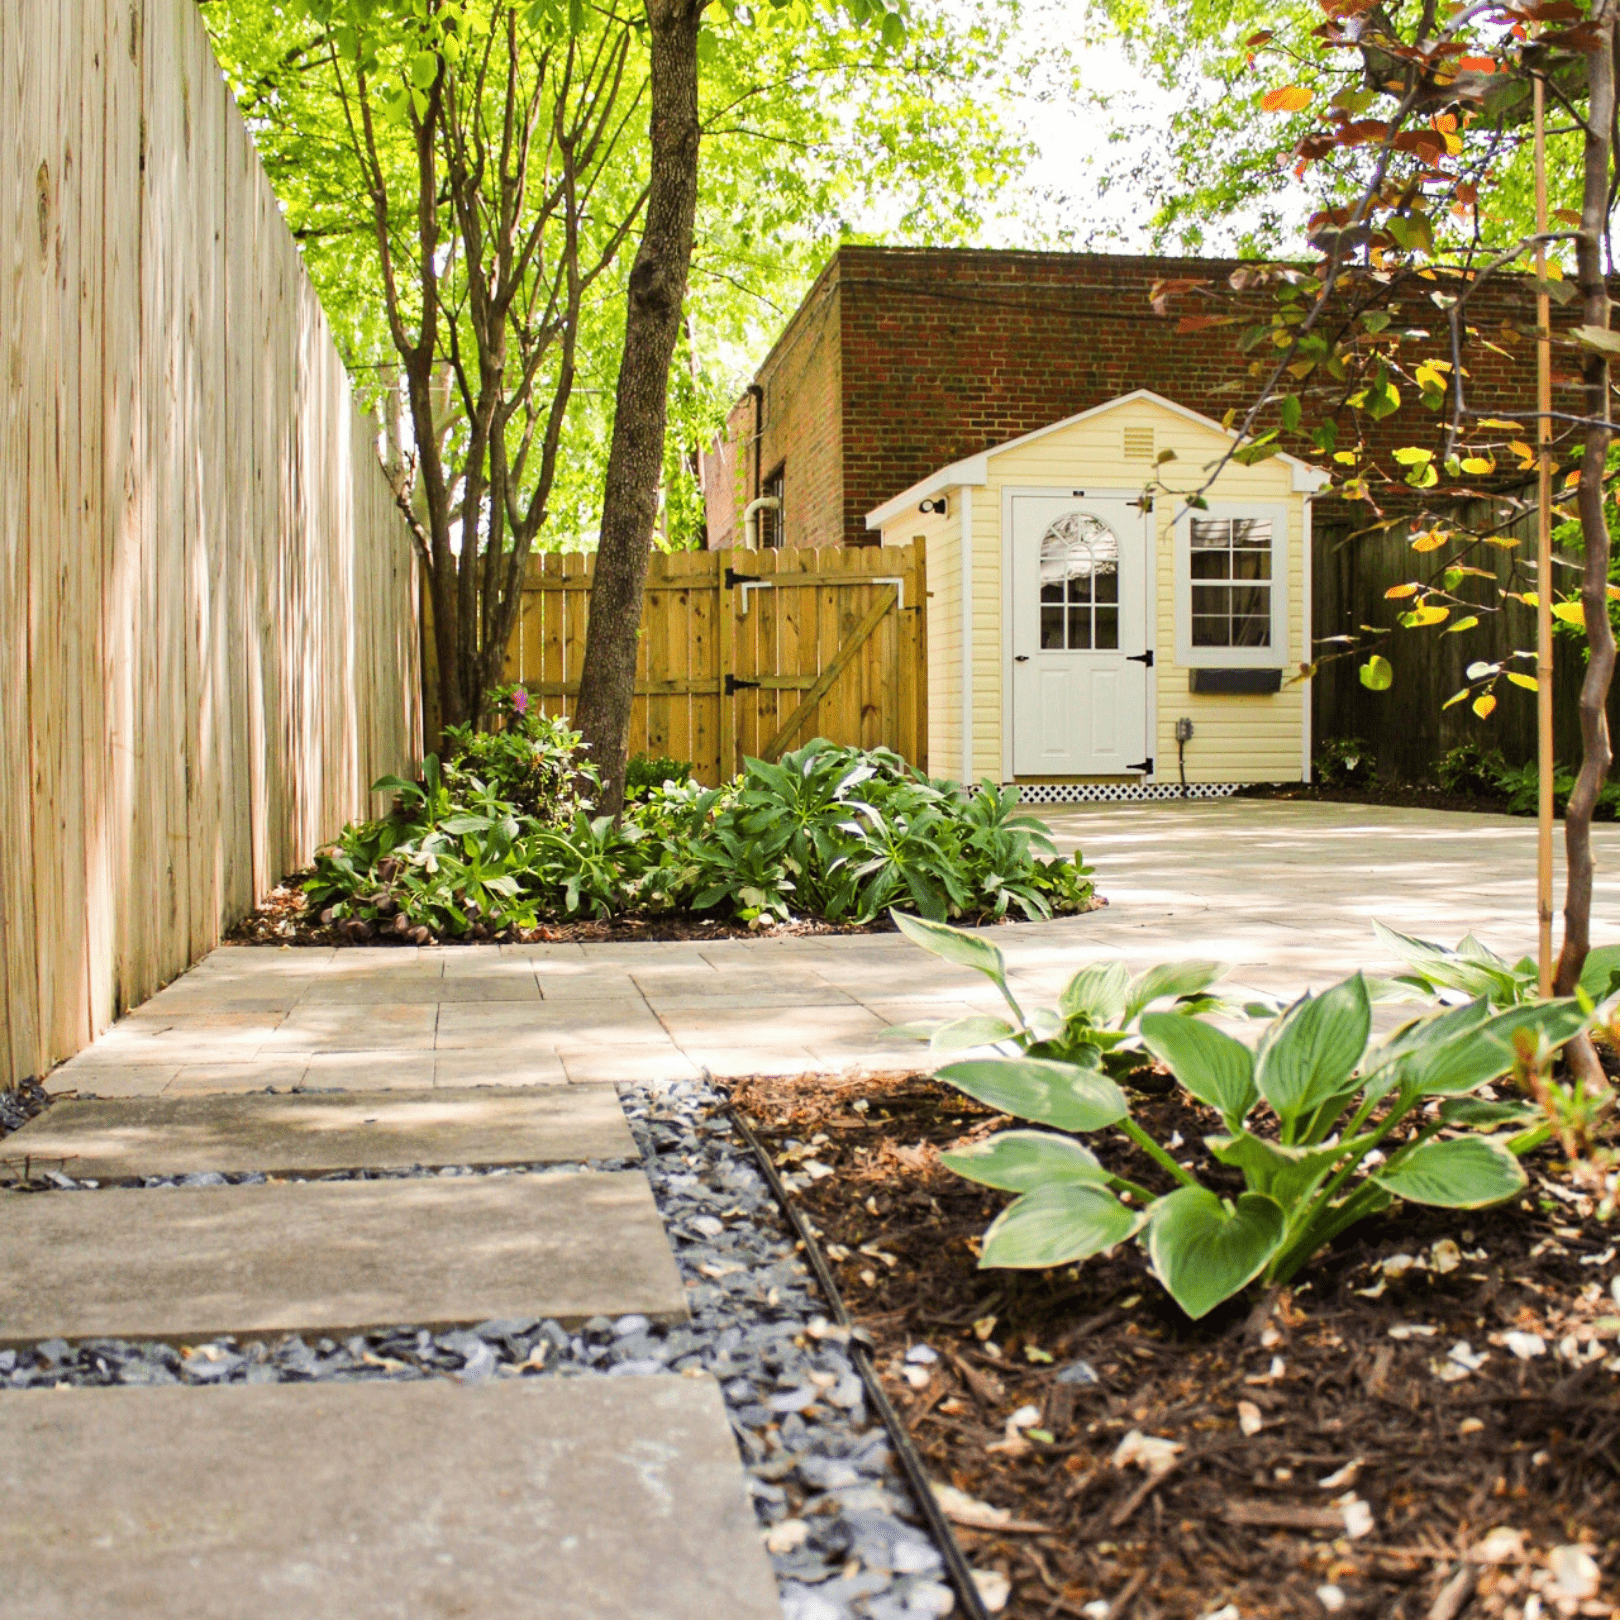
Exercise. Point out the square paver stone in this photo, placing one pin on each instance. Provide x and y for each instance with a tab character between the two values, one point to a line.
552	1499
333	1257
125	1139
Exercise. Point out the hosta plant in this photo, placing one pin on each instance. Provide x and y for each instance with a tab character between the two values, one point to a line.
1322	1126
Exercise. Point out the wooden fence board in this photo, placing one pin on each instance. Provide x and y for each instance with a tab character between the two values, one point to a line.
768	624
208	614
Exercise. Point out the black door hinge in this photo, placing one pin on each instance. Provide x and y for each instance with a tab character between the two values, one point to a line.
1145	766
1141	658
734	579
1143	505
733	685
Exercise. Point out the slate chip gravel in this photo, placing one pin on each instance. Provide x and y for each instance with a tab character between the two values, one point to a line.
841	1530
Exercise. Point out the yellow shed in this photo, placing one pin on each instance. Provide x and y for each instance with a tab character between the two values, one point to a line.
1105	645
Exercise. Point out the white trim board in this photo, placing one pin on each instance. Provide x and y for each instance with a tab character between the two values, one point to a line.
974	470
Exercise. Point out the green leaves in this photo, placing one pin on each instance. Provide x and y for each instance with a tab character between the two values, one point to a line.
1171	979
1061	1094
1098	992
1465	1173
1017	1161
1306	1057
952	945
1204	1249
1055	1225
1214	1067
1377	674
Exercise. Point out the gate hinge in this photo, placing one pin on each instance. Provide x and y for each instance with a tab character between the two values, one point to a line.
734	579
1143	505
1145	766
1141	658
733	685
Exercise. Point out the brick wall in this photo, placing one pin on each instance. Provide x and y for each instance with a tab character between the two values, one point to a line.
800	431
942	353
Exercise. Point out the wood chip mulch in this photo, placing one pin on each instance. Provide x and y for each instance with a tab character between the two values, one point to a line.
1368	1443
285	919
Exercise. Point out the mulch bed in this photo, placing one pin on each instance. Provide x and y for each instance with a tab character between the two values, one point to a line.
285	919
1397	795
1508	1461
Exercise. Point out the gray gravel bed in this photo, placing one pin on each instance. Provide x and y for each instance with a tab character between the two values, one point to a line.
839	1524
39	1180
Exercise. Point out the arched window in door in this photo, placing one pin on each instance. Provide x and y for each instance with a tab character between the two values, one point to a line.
1079	585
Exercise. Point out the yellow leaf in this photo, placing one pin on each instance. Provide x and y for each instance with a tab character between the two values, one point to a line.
1527	456
1484	706
1528	682
1571	613
1456	697
1419	617
1571	479
1347	457
1614	593
1467	568
1498	422
1504	542
1529	598
1396	592
1461	624
1478	464
1555	271
1430	540
1293	98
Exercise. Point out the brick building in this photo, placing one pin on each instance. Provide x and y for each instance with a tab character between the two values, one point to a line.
901	360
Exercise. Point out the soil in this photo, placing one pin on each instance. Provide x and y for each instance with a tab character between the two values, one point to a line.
1405	795
285	919
1470	1480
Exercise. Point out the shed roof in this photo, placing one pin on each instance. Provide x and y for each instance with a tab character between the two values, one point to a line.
975	469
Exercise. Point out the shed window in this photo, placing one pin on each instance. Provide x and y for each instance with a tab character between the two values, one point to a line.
1079	585
1229	564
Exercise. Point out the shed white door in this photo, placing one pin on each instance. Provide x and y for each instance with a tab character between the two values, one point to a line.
1080	655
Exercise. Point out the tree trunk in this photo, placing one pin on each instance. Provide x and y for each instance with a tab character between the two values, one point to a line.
636	454
1595	752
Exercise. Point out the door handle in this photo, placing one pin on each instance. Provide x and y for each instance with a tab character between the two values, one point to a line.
1141	658
1021	658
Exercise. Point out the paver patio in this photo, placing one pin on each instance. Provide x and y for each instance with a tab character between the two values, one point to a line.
577	1499
338	1257
1285	893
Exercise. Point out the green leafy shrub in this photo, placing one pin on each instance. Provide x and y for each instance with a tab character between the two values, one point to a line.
1473	772
535	762
644	773
1473	969
1309	1116
502	836
1344	762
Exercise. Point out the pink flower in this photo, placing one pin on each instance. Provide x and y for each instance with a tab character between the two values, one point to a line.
520	699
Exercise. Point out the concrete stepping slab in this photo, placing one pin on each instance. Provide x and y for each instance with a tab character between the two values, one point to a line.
125	1139
538	1499
332	1257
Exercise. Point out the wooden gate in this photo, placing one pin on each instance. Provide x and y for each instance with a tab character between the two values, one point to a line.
748	652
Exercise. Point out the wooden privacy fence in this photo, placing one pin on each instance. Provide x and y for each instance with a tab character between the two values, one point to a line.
208	640
1406	727
748	652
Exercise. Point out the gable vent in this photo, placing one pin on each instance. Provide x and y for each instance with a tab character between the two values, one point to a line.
1138	444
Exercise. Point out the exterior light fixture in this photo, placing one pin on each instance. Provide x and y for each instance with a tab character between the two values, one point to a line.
942	505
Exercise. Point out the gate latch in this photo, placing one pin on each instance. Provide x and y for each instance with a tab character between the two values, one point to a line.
733	685
1141	658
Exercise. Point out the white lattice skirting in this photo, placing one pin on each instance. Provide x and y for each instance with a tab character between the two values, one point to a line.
1119	792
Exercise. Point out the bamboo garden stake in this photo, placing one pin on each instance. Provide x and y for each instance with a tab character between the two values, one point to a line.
1544	674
